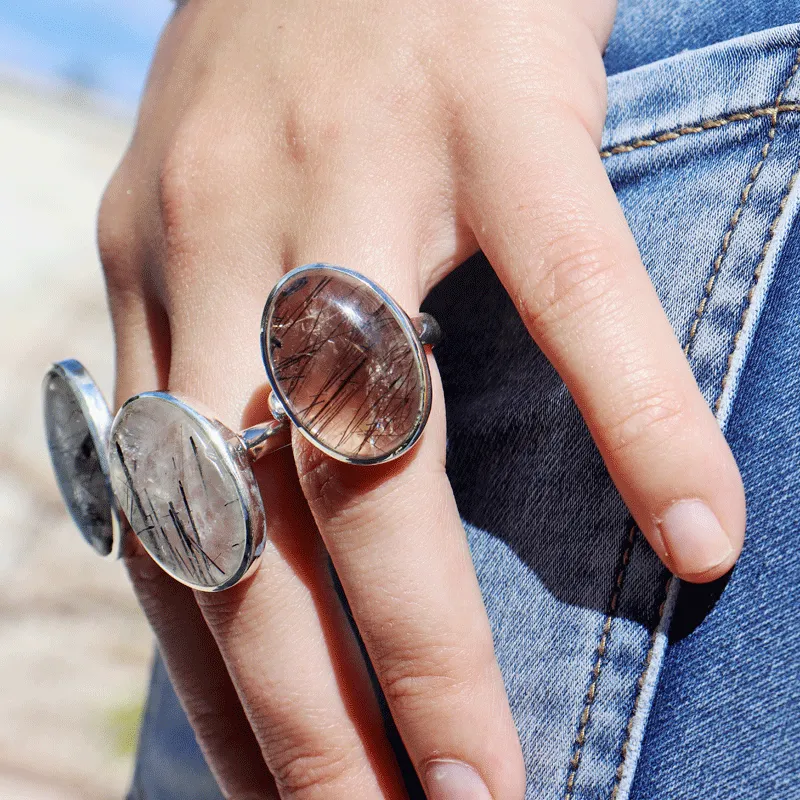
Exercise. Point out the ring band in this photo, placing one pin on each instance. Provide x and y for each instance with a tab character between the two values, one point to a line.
347	367
77	421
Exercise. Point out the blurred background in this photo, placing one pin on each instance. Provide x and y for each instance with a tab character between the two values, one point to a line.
74	647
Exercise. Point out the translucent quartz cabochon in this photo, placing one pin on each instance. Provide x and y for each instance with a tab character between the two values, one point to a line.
173	481
76	463
347	370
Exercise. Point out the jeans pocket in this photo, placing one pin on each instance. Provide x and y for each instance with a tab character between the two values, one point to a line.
703	150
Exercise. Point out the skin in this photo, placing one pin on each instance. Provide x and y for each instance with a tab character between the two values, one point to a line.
395	138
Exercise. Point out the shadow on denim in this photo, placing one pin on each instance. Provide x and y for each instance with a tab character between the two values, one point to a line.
522	463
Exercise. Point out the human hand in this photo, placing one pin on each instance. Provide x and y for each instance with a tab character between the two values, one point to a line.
395	139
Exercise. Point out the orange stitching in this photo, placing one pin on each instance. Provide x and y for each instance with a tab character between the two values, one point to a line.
639	688
737	215
705	125
577	745
642	677
754	283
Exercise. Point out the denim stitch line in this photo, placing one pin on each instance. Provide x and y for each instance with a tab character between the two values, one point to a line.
701	127
591	693
639	686
653	638
754	282
737	215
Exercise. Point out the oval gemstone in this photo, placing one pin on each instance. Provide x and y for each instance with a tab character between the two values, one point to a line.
345	364
175	485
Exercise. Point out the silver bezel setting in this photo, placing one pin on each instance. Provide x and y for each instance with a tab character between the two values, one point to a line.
234	456
97	416
408	328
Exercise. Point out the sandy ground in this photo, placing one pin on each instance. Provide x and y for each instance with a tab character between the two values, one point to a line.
74	647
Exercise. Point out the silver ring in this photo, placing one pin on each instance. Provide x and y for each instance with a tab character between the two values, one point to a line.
347	366
77	421
185	482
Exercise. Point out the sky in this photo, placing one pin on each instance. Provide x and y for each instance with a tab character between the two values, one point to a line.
105	44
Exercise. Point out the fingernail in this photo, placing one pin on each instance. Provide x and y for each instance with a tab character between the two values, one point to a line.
693	537
452	780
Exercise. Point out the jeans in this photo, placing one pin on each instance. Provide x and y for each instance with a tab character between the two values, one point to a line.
623	682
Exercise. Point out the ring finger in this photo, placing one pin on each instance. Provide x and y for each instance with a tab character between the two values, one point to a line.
283	634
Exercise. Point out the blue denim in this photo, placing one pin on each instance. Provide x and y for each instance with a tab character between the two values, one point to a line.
649	30
725	719
624	683
169	762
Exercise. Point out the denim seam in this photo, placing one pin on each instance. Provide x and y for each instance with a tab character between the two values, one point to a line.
639	686
701	127
737	215
754	282
600	652
734	221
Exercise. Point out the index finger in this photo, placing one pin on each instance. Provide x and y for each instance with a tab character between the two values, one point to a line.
546	217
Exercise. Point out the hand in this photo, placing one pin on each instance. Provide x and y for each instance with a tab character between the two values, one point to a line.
394	138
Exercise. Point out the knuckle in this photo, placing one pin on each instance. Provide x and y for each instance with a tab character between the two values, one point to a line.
321	479
342	494
585	105
210	724
301	134
348	503
309	130
650	415
414	687
192	179
578	274
151	586
222	610
146	576
420	678
179	181
116	236
309	770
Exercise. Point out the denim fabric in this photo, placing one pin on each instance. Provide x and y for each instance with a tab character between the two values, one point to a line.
702	149
648	30
169	764
726	719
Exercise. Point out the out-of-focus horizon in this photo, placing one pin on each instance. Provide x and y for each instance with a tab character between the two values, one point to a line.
74	646
101	46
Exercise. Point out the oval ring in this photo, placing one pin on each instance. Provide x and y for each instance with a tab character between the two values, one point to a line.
346	364
77	421
186	485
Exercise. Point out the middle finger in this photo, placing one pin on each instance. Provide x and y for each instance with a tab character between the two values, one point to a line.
396	539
